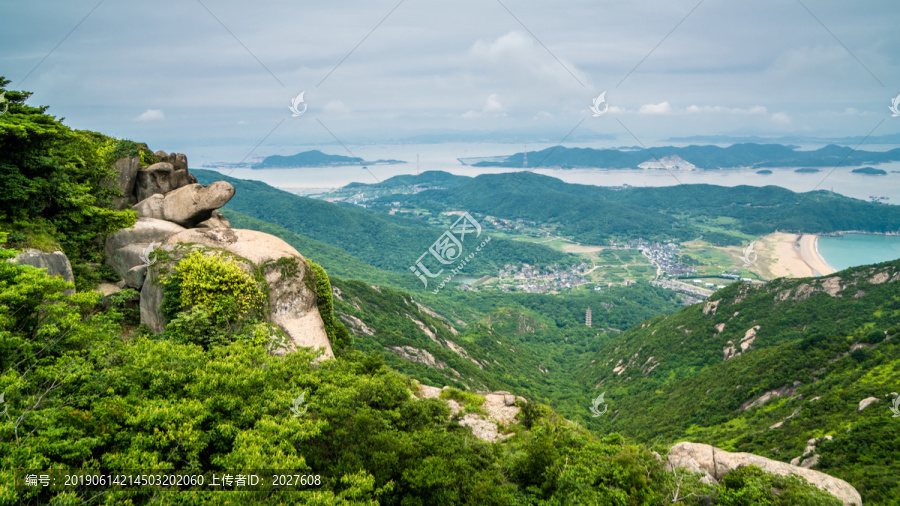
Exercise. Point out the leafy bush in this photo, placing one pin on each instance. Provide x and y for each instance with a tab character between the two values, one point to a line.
750	485
217	283
470	401
340	337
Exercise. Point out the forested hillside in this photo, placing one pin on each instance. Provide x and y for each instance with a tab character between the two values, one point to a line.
384	241
764	369
87	388
593	215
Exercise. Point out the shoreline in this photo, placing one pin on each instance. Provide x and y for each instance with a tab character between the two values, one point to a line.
819	254
808	244
795	256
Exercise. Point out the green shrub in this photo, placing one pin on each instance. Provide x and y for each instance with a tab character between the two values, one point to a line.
470	401
340	337
750	485
218	284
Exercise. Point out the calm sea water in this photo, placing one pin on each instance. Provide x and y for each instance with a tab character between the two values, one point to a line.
444	157
850	250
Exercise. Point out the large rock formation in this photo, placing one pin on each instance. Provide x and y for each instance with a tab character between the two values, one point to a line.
56	263
290	282
161	177
176	215
127	248
187	206
716	463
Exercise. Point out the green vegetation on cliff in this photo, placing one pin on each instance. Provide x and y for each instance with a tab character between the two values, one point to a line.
763	369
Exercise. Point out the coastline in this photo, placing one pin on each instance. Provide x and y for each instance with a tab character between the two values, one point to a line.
809	250
794	256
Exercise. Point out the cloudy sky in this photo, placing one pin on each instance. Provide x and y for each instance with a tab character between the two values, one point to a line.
196	76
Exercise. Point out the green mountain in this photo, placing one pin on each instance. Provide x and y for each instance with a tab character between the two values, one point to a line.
391	243
106	410
595	215
314	158
704	157
764	369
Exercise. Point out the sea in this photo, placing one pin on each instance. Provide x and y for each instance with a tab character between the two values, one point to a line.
444	156
851	250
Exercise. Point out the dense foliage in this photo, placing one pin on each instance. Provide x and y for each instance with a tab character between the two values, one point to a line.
85	390
56	181
594	215
384	241
823	344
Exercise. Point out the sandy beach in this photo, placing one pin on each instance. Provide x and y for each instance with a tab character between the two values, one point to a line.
794	256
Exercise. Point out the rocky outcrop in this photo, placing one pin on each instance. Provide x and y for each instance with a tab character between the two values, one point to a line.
865	403
126	248
186	206
126	175
715	463
290	282
498	411
56	263
418	356
161	177
217	220
178	215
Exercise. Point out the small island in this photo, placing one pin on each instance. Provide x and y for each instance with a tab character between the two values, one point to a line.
764	171
872	171
806	170
315	158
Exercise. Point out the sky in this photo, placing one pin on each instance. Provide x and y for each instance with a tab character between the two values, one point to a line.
218	76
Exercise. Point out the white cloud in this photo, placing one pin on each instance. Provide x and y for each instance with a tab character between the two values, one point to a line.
781	118
151	115
492	104
695	109
336	107
660	108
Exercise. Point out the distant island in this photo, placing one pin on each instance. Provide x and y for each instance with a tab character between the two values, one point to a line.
872	171
806	170
315	158
764	171
747	156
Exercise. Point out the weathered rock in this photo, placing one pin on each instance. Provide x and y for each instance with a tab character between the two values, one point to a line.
151	298
125	247
188	205
291	300
107	289
217	220
716	463
135	276
863	404
162	178
126	176
56	263
418	356
180	162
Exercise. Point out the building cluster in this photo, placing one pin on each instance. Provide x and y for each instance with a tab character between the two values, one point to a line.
663	256
540	280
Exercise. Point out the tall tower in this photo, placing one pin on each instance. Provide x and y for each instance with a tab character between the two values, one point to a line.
587	317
